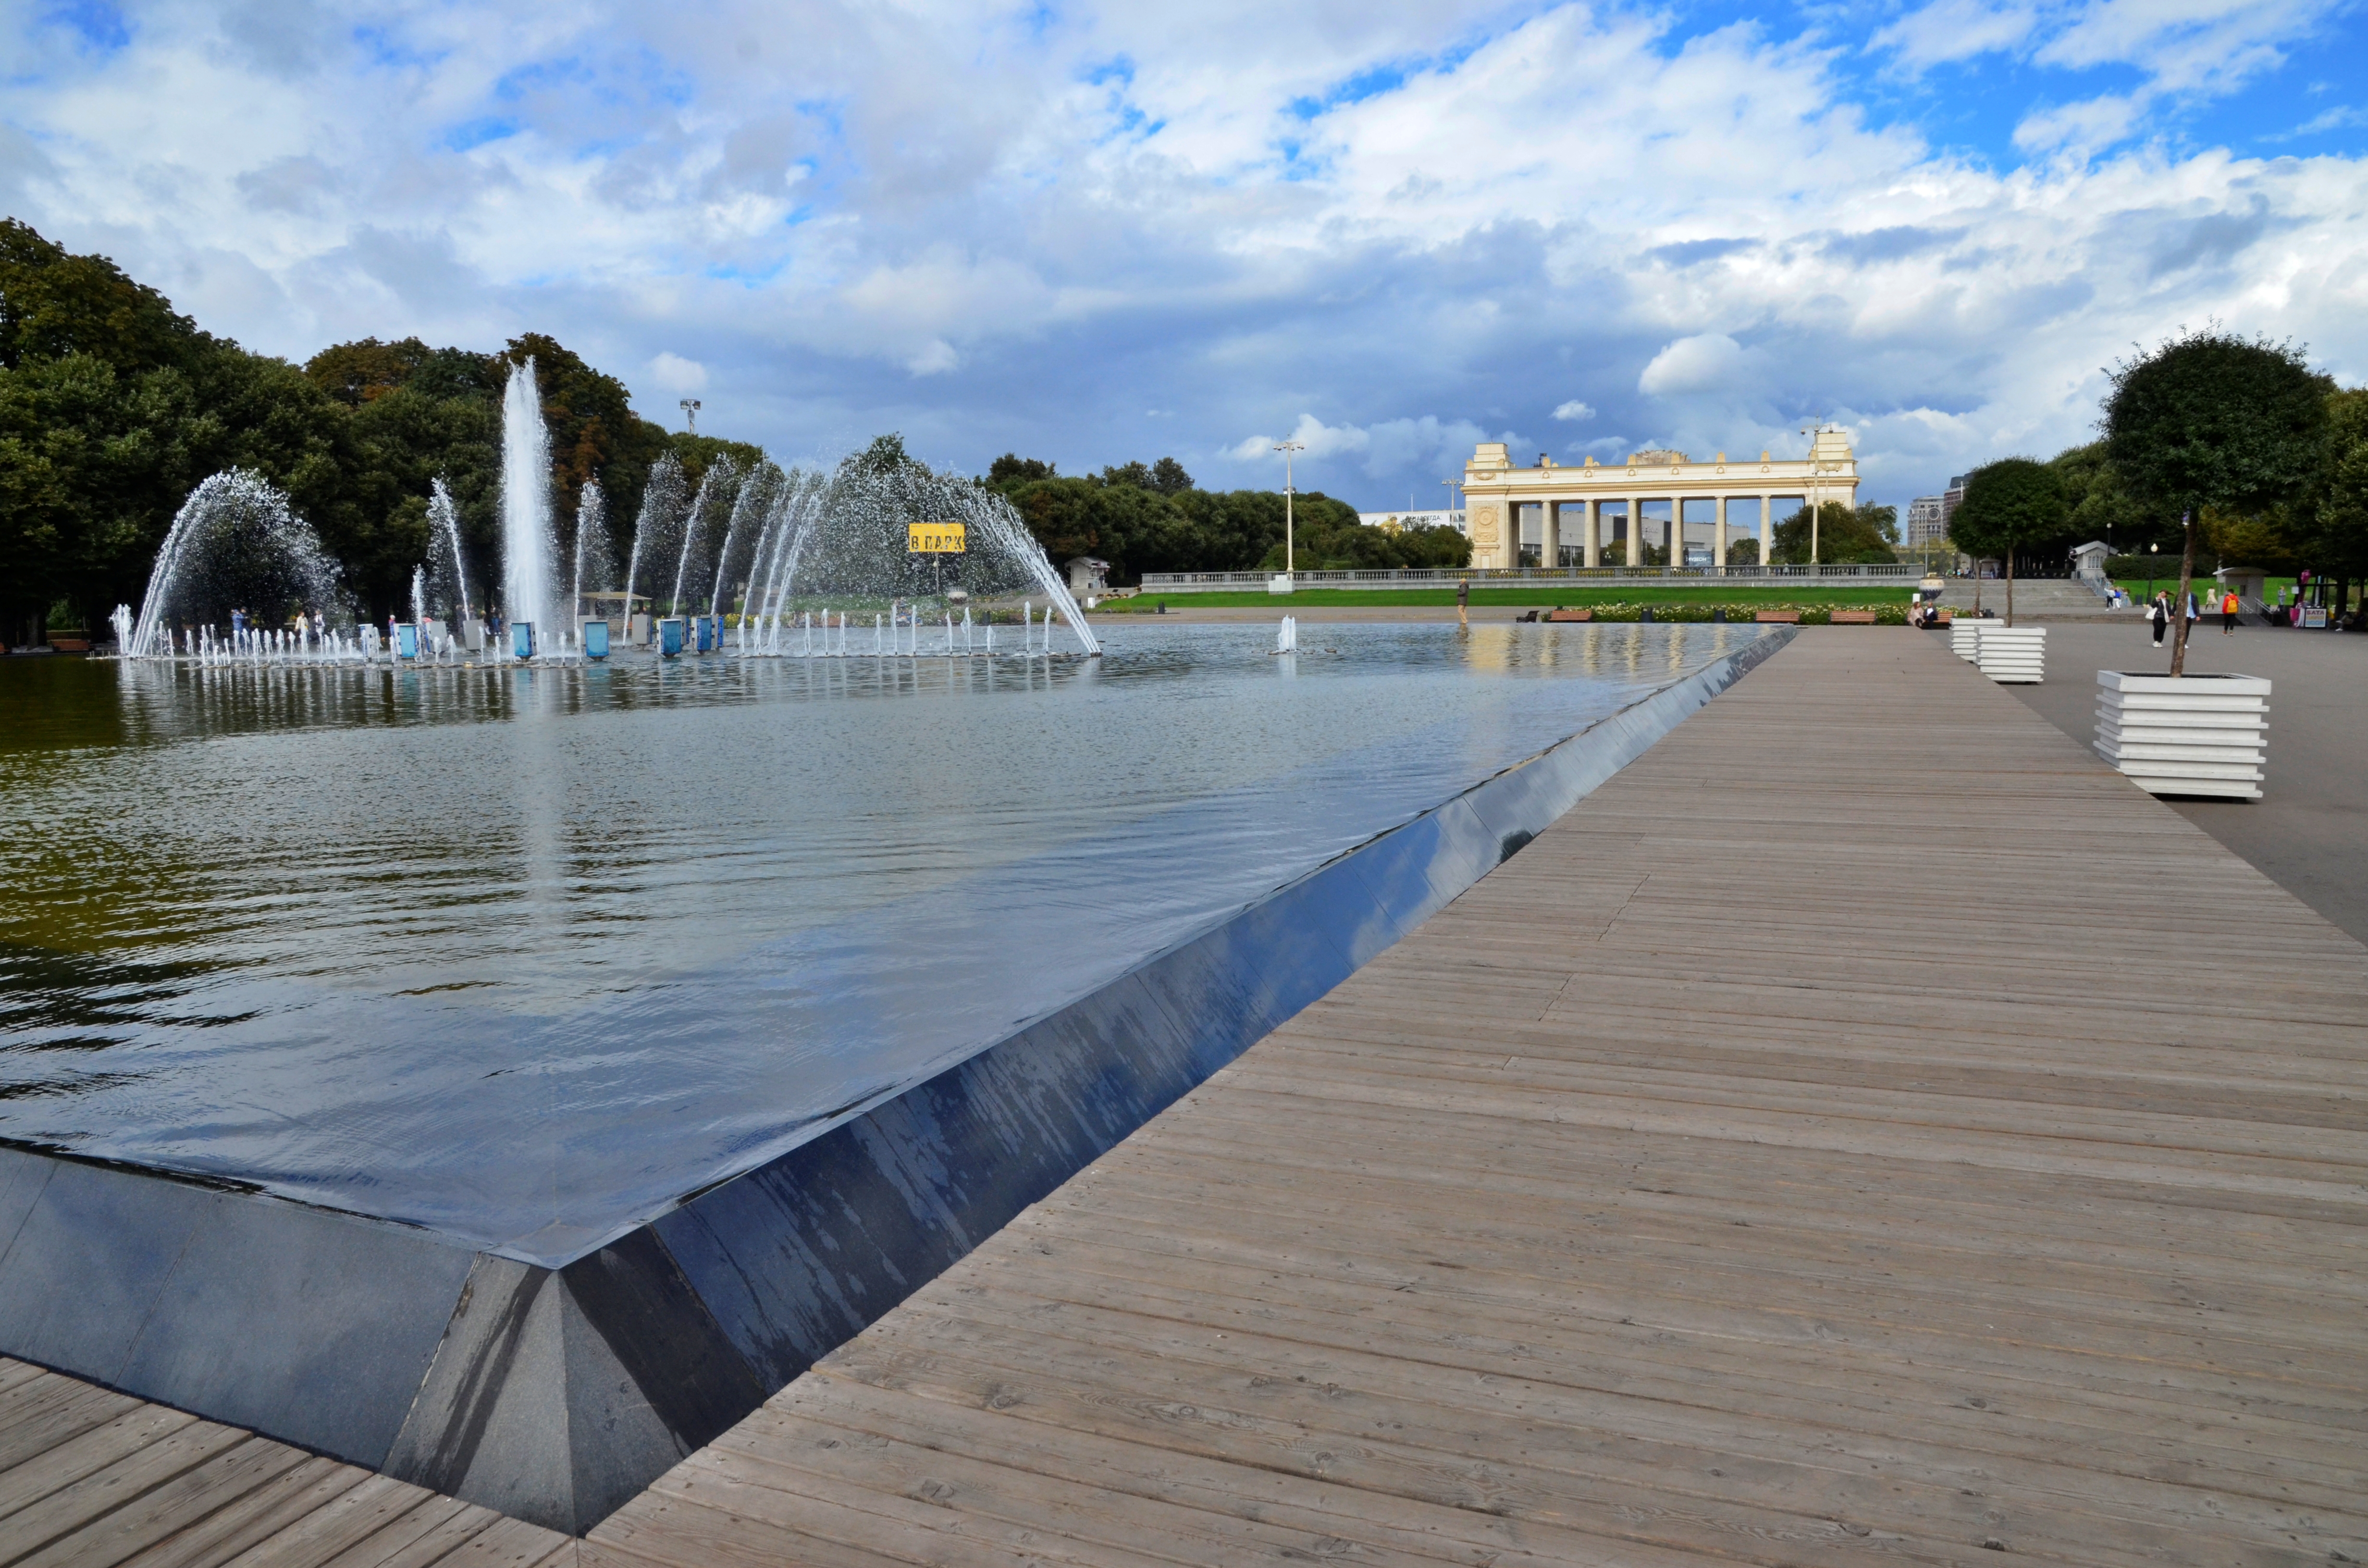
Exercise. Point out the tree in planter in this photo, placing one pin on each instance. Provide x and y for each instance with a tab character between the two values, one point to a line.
2212	419
2009	504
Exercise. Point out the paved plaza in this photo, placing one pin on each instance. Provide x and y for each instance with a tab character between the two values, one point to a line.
2309	830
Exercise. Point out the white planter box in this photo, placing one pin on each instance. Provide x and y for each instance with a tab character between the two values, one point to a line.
2194	735
2017	655
1962	632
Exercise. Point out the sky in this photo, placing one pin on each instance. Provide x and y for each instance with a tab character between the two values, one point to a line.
1092	234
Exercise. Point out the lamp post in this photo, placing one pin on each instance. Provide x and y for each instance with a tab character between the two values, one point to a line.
1289	557
689	406
1810	430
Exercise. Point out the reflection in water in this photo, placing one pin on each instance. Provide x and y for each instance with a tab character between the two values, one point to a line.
526	953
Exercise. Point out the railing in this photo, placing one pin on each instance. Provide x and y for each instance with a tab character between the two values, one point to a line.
1441	577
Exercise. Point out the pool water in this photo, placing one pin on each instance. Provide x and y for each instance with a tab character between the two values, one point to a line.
526	955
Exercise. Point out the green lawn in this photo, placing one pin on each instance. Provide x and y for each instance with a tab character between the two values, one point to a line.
1544	594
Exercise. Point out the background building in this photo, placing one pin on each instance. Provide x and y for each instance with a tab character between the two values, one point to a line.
1928	522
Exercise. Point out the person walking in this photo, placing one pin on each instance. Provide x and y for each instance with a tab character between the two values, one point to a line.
2160	617
2228	609
1462	601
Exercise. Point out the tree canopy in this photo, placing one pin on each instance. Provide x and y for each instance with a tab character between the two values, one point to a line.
2008	506
1845	535
2212	419
113	407
1151	518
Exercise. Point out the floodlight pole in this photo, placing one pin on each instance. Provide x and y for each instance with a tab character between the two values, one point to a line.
1289	568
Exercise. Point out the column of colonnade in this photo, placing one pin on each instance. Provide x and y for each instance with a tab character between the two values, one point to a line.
1593	542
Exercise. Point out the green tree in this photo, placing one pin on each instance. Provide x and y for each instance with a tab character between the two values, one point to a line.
1013	469
54	304
2008	506
1845	535
2099	507
2212	419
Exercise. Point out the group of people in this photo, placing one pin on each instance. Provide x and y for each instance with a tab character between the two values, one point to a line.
2159	614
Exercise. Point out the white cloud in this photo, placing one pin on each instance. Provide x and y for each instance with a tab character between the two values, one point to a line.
1708	362
1949	31
1318	440
676	374
1004	237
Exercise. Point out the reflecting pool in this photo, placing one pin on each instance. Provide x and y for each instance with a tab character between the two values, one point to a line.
526	954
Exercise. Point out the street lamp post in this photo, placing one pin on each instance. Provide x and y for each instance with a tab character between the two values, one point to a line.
1290	560
1810	430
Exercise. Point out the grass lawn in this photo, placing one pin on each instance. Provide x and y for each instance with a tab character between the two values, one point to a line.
1544	594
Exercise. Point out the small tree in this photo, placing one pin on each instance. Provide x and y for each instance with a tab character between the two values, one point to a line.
2212	419
2009	504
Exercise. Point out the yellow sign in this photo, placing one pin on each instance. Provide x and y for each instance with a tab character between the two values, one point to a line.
933	538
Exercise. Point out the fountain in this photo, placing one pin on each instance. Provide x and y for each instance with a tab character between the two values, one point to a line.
664	502
592	562
234	545
717	488
527	544
448	573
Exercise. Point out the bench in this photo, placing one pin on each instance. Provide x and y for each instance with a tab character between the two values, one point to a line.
1852	618
1570	615
1778	617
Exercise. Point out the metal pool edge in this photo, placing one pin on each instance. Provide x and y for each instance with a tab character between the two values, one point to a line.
555	1394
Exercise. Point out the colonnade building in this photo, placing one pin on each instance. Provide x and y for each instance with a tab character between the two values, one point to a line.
1596	514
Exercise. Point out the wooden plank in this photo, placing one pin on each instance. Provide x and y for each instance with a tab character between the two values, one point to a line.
124	1483
120	1530
52	1470
220	1536
345	1520
509	1543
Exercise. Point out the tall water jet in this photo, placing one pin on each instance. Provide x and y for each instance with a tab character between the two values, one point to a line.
753	503
527	544
233	545
717	488
448	576
592	561
655	529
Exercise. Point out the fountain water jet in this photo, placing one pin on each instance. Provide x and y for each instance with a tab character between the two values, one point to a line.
233	543
527	544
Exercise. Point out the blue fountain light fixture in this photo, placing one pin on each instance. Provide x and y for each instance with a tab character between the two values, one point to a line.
706	624
407	640
596	639
670	636
521	639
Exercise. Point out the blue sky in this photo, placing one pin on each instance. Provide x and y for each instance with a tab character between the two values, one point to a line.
1090	234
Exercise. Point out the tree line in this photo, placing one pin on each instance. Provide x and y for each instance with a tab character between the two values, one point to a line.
113	407
2224	447
1151	518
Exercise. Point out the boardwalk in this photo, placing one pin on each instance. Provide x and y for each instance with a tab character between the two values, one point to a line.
93	1479
1865	1131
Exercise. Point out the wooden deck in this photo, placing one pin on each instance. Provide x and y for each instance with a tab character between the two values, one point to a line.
94	1478
1864	1132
